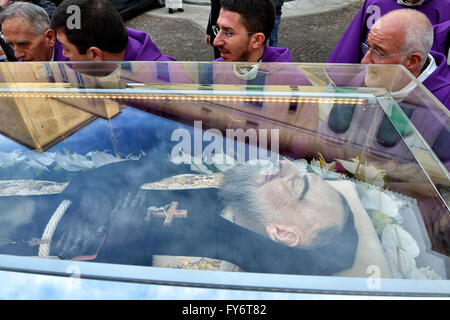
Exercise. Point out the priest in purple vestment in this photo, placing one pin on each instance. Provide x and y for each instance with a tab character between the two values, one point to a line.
388	43
348	49
97	33
243	29
26	27
442	39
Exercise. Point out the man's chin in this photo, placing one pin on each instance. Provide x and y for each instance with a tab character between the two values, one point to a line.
371	80
226	57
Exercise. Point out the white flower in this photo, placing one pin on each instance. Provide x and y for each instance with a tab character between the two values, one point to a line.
396	236
363	172
324	173
11	158
73	162
373	199
400	262
401	250
99	158
301	165
40	160
267	167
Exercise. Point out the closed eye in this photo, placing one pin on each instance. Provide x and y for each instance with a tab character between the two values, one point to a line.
294	185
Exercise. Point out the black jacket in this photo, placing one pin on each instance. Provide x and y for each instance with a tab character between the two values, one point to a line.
131	239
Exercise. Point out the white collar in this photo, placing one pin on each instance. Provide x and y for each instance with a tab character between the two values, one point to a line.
53	54
409	4
246	72
421	78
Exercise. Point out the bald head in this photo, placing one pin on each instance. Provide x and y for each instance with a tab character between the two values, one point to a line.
411	28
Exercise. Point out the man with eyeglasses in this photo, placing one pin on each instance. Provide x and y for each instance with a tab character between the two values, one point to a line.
348	49
405	37
243	29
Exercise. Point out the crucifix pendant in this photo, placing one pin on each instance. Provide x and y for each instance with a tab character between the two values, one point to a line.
169	212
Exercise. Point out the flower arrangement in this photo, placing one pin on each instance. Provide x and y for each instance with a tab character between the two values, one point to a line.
355	169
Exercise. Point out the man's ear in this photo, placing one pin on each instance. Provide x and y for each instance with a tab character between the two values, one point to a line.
50	34
95	54
413	62
258	40
283	234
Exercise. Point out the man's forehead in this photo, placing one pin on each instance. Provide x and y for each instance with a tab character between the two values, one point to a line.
389	27
17	25
384	38
229	20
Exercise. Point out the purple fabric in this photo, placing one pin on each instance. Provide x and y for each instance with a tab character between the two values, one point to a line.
141	48
438	83
58	52
348	49
441	37
269	74
273	54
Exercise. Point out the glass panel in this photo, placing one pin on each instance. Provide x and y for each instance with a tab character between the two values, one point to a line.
276	168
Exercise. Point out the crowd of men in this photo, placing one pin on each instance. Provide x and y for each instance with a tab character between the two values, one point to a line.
413	33
37	31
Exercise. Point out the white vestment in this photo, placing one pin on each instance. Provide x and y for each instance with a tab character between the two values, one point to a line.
174	4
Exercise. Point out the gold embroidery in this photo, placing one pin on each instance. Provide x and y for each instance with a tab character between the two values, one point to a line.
186	181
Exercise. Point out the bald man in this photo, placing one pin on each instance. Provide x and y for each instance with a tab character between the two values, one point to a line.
348	49
405	37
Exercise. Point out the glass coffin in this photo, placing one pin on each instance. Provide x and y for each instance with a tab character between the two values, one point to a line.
285	172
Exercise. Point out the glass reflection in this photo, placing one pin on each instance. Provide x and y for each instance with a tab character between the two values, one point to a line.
99	166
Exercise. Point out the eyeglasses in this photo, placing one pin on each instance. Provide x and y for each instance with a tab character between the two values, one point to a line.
378	57
225	35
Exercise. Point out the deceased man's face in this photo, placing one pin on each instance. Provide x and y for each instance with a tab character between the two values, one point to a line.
304	203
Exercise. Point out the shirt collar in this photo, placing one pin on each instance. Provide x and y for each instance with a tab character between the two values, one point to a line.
53	54
409	4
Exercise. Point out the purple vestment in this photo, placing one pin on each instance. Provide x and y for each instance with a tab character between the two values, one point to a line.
141	48
58	52
348	49
441	37
438	83
273	54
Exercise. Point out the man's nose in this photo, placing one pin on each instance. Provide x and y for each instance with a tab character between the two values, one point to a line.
218	41
20	54
366	59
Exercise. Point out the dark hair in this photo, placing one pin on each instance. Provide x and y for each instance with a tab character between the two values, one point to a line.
256	15
329	234
100	22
